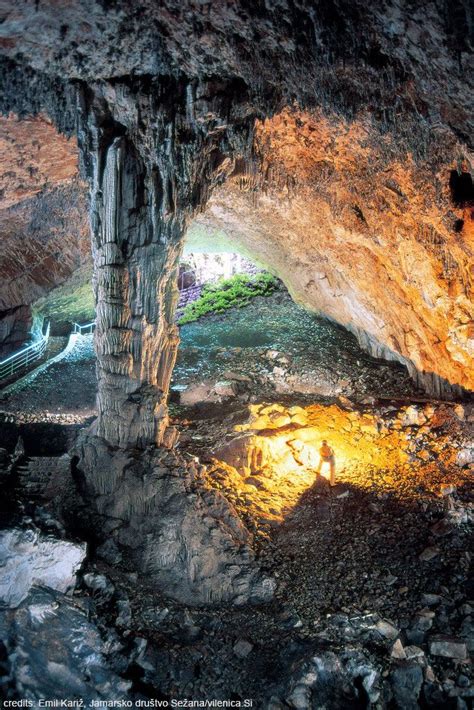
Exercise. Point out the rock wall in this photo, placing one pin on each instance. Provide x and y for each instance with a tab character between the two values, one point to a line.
164	97
362	232
43	219
15	325
373	169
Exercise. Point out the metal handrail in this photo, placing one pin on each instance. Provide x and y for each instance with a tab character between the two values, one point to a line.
83	329
25	356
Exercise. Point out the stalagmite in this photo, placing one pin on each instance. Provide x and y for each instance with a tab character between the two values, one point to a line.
151	165
147	178
136	251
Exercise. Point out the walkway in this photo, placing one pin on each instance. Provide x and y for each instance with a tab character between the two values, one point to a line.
67	387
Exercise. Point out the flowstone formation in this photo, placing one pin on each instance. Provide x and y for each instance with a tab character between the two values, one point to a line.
147	178
164	100
180	533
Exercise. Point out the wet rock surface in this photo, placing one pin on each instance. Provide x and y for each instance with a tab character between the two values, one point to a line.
274	348
51	648
29	559
64	392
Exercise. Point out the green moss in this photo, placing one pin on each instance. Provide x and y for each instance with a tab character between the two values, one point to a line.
235	292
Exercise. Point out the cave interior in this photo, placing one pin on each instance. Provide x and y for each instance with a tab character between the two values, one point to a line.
236	353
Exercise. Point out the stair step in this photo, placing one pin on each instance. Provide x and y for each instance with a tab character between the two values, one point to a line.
41	476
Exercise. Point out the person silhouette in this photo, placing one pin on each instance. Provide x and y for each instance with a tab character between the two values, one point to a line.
326	455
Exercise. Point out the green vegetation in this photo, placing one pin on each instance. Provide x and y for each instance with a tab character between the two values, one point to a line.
235	292
73	302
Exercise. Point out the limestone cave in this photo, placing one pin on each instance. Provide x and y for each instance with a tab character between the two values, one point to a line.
237	354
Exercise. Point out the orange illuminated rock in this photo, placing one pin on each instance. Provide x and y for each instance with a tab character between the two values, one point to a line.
362	232
33	157
43	219
271	463
357	228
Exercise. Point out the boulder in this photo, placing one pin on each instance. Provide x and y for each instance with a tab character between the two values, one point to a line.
99	585
398	651
226	389
448	647
387	630
330	680
429	553
406	680
28	558
196	394
54	651
465	456
242	648
182	535
412	416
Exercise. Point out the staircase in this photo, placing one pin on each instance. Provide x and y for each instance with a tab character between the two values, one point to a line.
41	478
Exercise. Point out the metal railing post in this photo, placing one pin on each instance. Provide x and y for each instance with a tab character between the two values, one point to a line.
22	358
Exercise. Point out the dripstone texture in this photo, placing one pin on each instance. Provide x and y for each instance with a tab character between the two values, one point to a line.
164	98
183	536
148	175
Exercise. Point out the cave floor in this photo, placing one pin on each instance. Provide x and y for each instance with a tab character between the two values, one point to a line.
270	349
64	392
284	350
391	541
387	551
383	554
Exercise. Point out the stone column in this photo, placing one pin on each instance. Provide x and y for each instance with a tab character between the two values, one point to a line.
137	242
152	154
151	164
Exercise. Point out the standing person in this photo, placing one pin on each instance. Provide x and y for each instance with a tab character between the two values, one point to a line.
326	455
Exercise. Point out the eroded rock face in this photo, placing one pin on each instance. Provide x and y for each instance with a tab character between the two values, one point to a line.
43	219
51	647
361	232
15	324
183	536
153	147
28	558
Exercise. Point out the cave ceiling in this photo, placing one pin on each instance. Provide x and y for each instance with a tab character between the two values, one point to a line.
349	188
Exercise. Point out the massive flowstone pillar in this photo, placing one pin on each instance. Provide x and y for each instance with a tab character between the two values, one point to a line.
150	163
137	239
151	159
